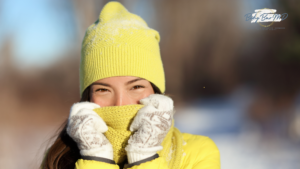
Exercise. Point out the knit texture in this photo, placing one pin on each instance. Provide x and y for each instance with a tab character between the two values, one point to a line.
172	148
118	120
120	43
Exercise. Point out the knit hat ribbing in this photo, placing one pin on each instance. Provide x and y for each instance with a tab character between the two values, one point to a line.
120	43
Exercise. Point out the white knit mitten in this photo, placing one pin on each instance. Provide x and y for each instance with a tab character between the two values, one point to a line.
151	124
86	128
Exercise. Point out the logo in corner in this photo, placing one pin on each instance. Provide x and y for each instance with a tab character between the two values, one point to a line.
265	17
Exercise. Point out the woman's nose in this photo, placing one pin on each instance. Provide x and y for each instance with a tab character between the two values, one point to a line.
122	99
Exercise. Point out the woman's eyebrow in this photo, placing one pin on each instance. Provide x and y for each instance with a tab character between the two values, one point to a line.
134	80
103	84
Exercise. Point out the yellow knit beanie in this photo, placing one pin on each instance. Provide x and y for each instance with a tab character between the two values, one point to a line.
120	43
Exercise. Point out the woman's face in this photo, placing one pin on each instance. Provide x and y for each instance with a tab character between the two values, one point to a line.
120	90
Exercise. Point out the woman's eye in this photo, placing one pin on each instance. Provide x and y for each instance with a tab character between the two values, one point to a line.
101	90
137	87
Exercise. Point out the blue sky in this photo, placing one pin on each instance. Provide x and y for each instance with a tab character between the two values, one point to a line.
43	30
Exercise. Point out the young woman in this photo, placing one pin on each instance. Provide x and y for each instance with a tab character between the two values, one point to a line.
124	120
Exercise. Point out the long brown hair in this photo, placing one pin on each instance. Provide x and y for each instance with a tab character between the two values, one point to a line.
64	152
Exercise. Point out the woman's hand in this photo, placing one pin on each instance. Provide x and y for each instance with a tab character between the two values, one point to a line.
86	128
151	124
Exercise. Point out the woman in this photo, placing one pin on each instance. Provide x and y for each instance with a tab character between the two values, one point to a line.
124	120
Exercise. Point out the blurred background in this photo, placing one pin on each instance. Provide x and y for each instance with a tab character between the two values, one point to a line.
231	80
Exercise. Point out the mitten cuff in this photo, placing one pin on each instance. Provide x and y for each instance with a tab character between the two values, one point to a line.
134	157
135	154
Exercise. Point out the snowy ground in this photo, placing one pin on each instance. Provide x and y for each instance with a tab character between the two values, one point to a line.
241	143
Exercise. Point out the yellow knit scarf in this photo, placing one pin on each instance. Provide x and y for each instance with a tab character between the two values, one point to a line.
118	120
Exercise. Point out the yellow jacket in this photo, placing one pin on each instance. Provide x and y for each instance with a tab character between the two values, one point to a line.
200	152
